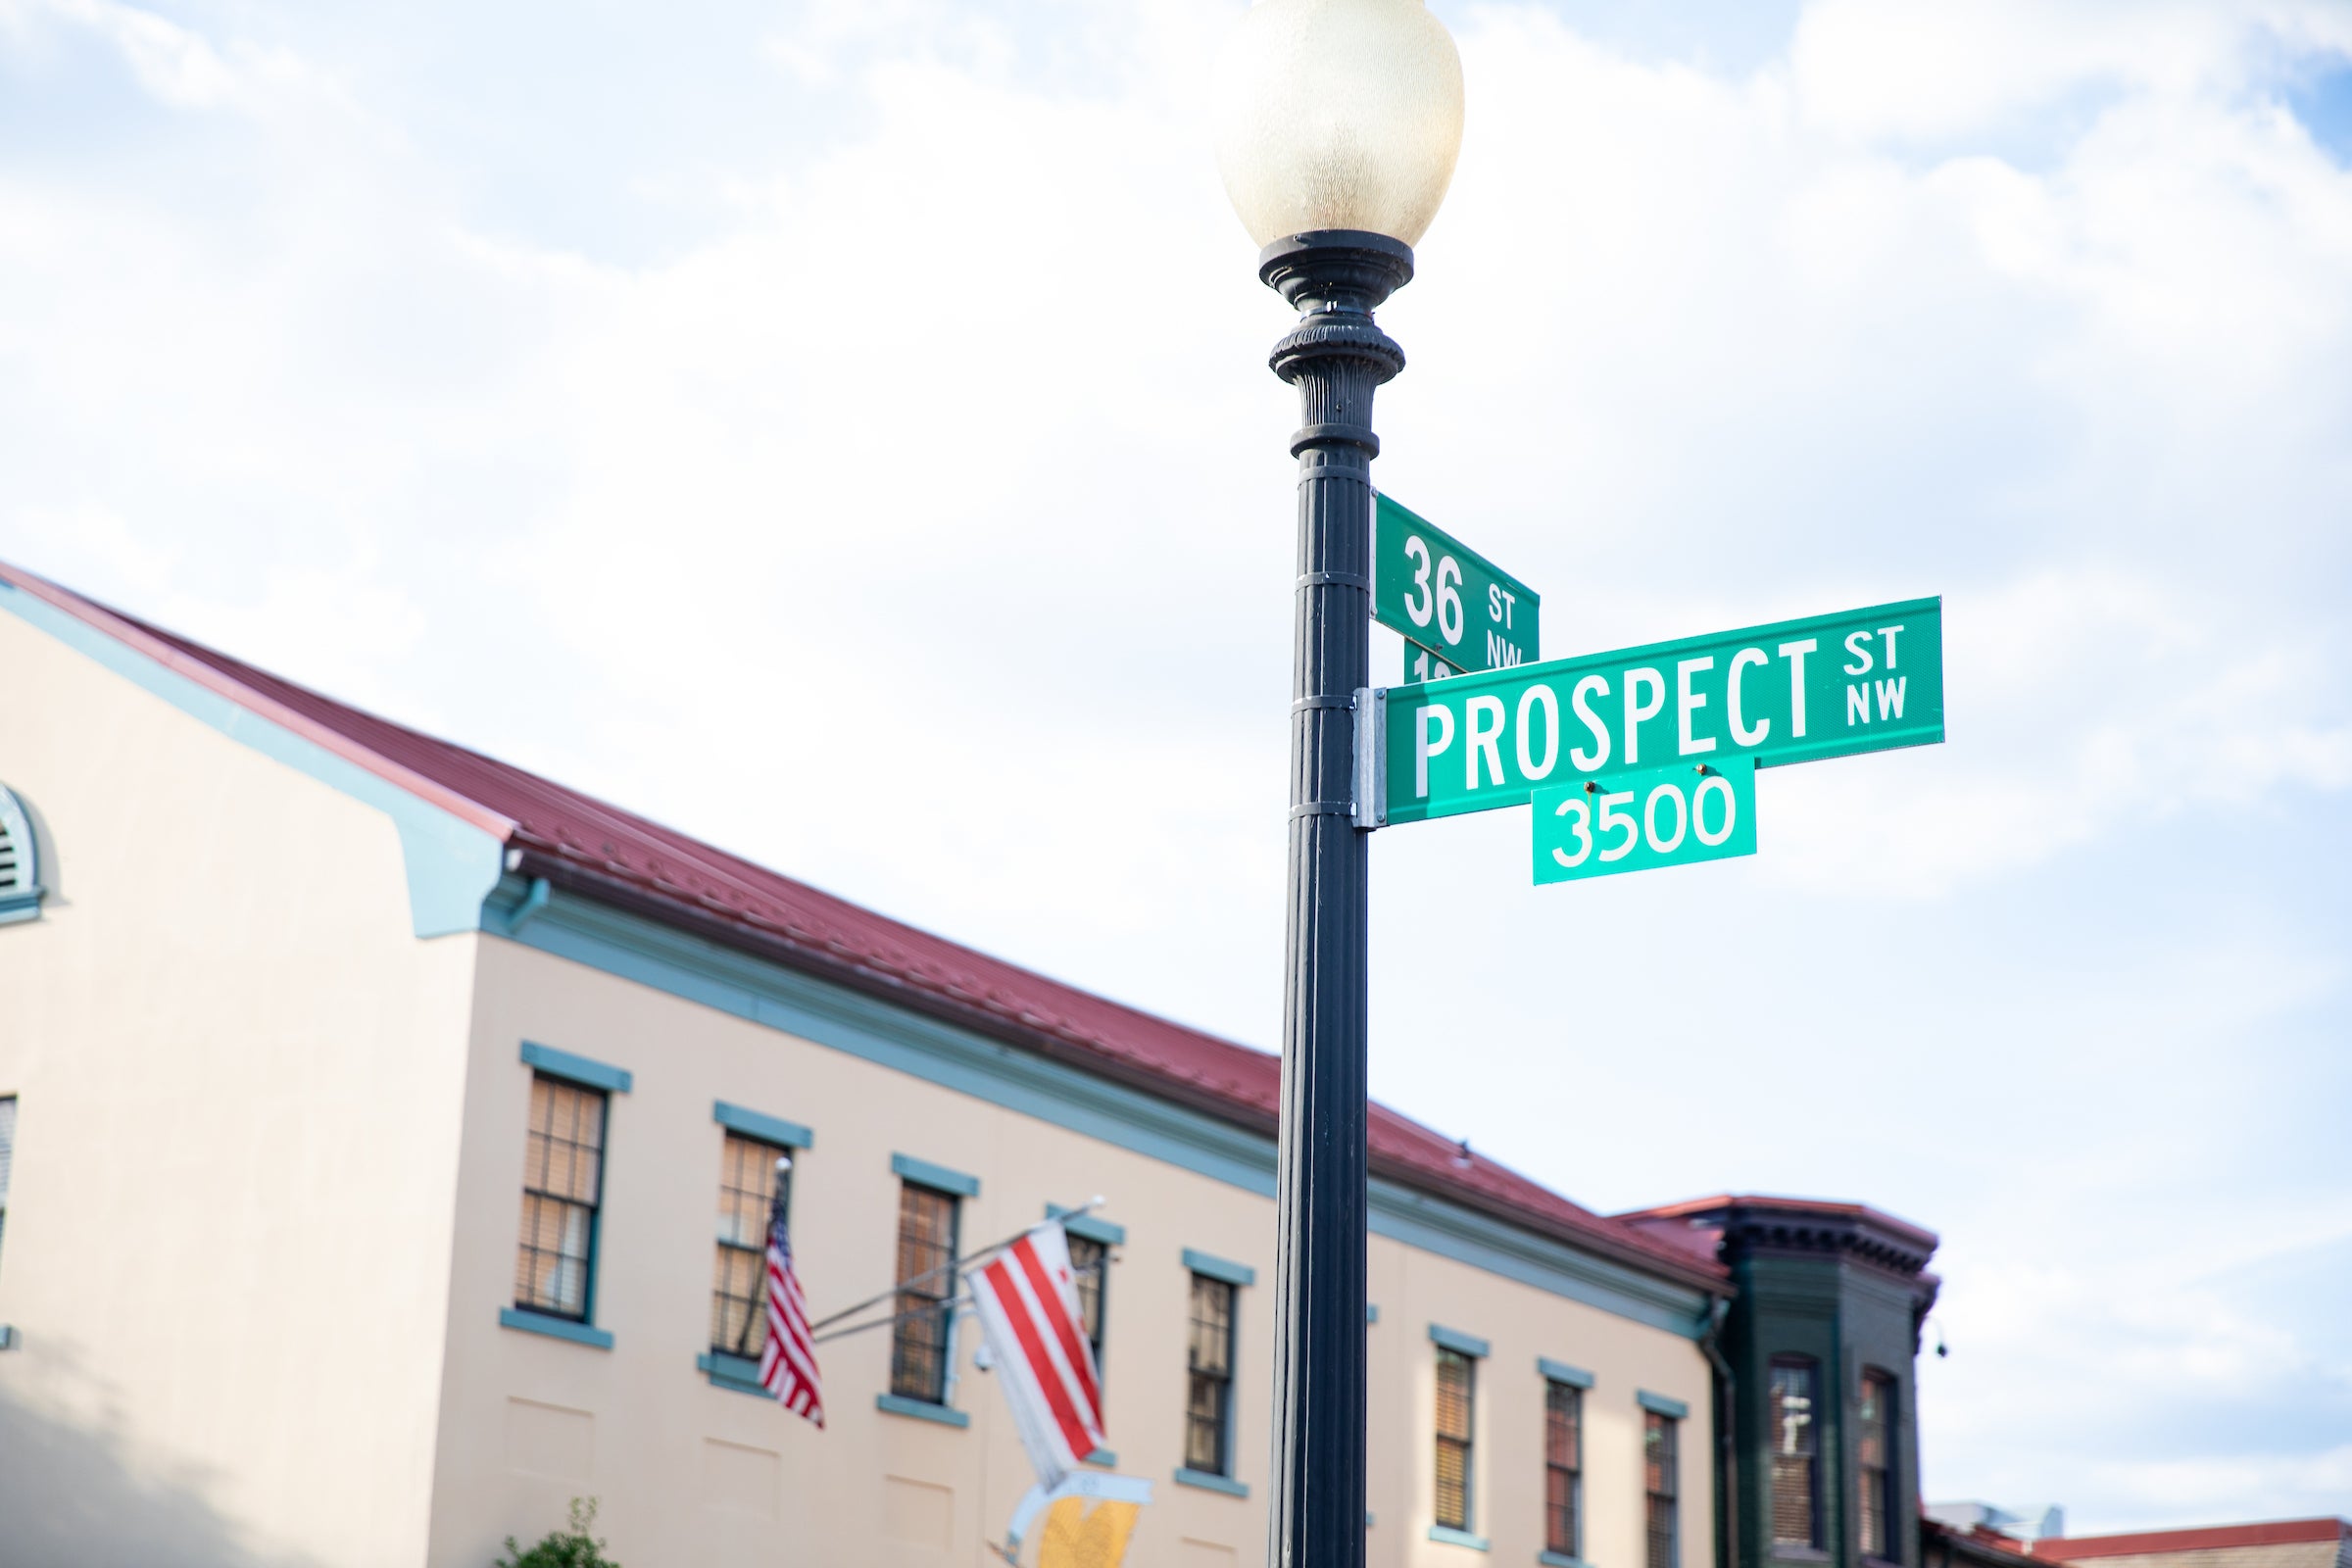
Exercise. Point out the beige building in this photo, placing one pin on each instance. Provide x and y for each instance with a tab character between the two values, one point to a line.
377	1124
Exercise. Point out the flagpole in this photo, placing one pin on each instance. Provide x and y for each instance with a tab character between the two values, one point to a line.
1062	1219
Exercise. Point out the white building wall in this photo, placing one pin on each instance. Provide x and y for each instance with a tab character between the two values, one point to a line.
240	1077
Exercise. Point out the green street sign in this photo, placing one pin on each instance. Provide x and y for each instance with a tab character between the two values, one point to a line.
1865	680
1421	664
1639	818
1450	601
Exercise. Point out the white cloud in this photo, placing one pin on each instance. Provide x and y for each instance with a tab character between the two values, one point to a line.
2096	705
1915	69
178	67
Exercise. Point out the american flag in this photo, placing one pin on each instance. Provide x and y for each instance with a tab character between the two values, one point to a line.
1028	1303
788	1361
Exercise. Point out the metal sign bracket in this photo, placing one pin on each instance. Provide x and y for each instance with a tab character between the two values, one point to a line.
1371	792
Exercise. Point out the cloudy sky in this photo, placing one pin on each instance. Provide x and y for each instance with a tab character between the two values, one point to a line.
842	429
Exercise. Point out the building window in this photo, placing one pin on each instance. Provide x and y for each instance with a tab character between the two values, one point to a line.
1090	1265
919	1340
747	1183
1563	1467
1792	1406
1661	1475
1208	1402
562	1182
8	1154
1875	1455
1457	1397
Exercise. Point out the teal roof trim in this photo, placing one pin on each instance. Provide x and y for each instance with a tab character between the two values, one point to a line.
767	1129
872	1029
452	866
1451	1536
946	1415
738	1374
1210	1480
575	1069
1218	1268
939	1178
1088	1227
1456	1340
555	1328
1576	1377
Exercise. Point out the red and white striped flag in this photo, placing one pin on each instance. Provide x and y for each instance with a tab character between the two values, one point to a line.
788	1361
1027	1300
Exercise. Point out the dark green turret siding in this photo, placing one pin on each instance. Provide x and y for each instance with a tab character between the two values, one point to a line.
1844	1288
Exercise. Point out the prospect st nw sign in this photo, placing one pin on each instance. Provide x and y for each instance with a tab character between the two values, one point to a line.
1800	691
1455	608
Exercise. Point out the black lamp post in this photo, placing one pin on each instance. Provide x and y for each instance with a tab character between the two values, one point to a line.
1338	125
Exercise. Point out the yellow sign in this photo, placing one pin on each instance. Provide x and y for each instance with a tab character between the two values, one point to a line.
1074	1537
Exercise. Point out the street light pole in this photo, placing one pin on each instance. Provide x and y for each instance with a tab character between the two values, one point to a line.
1337	357
1338	123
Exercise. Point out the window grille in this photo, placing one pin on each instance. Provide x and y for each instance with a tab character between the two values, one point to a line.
1875	1458
1089	1264
1794	1408
8	1154
747	1183
1563	1467
1661	1463
1458	1396
1209	1400
919	1338
20	862
563	1183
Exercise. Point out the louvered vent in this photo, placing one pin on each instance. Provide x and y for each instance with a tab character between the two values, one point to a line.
20	862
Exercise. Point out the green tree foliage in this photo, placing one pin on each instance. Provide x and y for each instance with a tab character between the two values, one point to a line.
562	1549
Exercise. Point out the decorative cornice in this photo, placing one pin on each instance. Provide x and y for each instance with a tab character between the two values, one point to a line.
893	1026
1747	1230
648	922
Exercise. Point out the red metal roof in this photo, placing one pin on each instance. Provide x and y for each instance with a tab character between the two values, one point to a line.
2271	1532
618	856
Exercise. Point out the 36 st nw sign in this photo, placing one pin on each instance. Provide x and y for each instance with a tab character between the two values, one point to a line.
1865	680
1455	608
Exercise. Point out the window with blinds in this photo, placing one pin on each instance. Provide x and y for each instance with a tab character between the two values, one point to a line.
563	1183
1661	1476
749	1183
1209	1394
1090	1265
1457	1396
1874	1458
1563	1468
1791	1404
919	1336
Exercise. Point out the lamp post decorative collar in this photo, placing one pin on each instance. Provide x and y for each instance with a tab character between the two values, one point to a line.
1335	278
